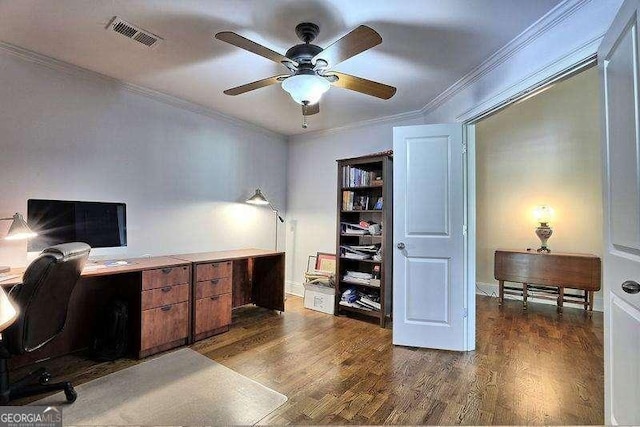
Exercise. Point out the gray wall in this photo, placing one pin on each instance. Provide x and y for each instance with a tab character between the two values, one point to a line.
312	190
183	175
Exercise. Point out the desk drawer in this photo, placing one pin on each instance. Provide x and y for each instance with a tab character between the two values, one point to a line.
215	270
212	313
164	324
152	279
213	287
170	294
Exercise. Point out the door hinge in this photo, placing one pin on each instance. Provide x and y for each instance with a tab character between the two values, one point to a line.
465	313
464	148
464	230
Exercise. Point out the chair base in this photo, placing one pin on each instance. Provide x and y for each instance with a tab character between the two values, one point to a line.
37	382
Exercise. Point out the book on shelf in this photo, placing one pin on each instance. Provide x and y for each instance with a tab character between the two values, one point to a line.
356	177
353	202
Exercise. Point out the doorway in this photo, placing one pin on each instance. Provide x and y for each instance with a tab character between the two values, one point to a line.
543	151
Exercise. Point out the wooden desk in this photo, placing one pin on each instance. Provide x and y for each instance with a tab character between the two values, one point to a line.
548	274
97	268
173	300
157	290
225	280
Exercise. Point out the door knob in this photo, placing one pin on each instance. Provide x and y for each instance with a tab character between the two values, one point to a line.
400	246
631	287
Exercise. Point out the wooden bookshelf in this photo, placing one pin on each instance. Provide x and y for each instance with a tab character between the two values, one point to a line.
364	194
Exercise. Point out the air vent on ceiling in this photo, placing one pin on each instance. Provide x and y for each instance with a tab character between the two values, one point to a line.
132	32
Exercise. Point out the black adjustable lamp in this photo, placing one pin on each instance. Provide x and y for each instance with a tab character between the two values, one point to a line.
259	199
18	230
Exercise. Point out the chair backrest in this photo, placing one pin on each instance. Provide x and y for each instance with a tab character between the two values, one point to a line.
43	297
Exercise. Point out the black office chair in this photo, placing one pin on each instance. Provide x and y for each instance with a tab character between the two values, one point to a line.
42	301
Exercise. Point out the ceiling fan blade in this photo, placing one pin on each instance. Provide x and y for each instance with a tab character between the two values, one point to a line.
255	85
358	40
309	110
358	84
246	44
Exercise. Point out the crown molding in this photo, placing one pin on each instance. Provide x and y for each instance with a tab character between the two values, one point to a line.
550	20
547	22
523	86
162	97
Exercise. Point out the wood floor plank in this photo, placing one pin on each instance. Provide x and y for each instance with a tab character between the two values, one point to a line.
533	367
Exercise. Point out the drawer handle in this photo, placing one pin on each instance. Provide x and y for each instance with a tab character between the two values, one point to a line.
167	270
215	281
166	308
167	288
215	298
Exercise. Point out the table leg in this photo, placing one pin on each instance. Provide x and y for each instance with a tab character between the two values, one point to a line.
500	292
590	300
525	294
560	298
586	300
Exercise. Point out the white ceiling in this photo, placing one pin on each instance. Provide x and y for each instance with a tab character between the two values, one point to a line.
427	46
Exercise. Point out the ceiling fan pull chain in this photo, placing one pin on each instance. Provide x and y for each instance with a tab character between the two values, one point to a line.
304	122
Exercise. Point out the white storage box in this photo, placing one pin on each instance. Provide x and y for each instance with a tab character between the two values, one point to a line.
319	298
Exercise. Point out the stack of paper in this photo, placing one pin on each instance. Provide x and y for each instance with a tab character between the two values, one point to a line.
361	252
353	229
367	302
354	298
357	277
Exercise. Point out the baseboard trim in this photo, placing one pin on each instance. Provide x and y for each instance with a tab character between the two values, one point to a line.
294	288
491	289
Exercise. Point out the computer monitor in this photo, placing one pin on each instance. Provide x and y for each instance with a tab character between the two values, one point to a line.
98	224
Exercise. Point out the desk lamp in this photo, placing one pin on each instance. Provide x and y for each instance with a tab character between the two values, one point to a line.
259	199
18	230
543	231
8	312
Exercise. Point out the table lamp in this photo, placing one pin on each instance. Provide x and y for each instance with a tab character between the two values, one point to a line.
18	230
260	199
8	312
543	231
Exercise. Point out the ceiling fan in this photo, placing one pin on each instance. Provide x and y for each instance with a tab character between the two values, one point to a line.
309	66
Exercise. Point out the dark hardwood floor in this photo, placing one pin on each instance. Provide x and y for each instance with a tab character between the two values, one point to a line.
531	367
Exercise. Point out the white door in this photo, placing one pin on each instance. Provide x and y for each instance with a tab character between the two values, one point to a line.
429	292
618	60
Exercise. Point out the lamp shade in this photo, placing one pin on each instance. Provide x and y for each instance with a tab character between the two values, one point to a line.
19	229
306	88
258	198
543	214
8	312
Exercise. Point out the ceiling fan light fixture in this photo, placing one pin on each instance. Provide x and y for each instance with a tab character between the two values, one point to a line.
306	88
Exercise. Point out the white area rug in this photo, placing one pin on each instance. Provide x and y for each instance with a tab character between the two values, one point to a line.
179	388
